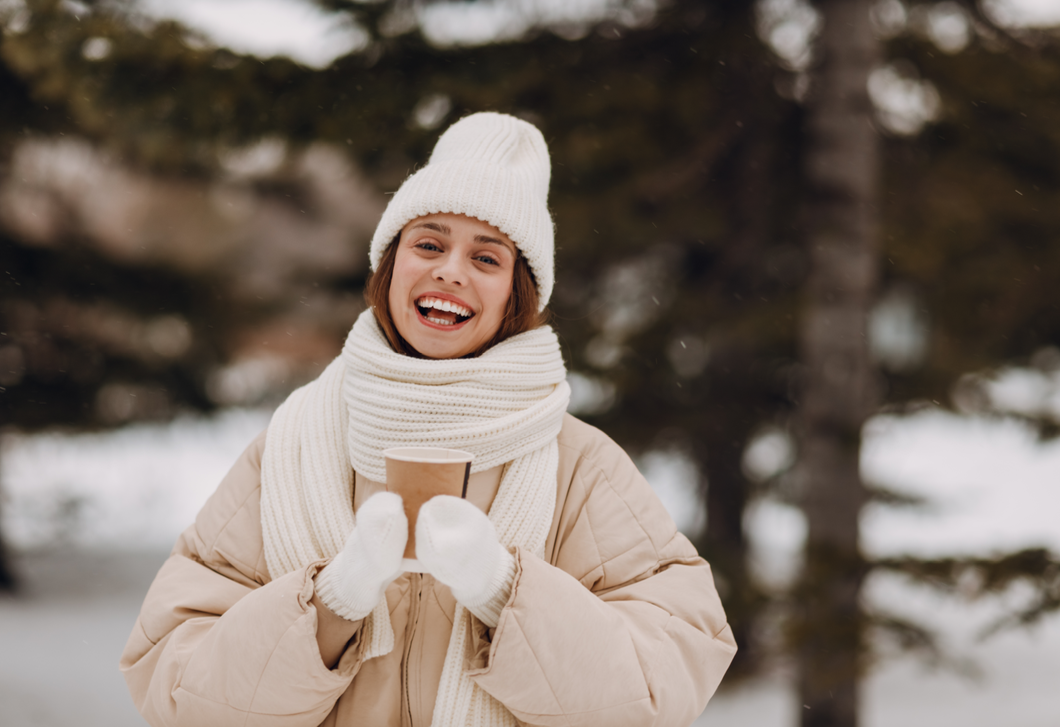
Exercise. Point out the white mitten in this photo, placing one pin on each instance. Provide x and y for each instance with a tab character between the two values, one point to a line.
354	581
457	544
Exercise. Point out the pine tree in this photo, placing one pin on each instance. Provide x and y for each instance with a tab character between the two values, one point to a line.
702	243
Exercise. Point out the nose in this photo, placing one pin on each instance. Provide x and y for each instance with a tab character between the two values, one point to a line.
450	269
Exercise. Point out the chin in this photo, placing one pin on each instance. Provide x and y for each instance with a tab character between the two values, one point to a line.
440	349
432	343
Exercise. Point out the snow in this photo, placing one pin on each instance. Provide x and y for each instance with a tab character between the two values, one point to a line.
305	32
297	29
990	485
137	487
1032	13
61	643
315	37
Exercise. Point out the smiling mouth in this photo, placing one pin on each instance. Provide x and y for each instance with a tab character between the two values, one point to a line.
443	312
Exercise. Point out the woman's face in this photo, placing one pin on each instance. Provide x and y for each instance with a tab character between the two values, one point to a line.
451	284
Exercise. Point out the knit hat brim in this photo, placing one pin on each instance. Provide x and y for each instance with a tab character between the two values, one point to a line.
510	197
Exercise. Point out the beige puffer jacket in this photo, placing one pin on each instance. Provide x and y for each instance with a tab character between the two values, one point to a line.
619	625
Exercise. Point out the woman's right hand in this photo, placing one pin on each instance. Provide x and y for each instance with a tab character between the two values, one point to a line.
353	583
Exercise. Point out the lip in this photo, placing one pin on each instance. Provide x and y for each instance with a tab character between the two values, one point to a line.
442	296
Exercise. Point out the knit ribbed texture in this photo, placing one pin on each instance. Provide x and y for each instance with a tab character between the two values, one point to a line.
492	167
307	489
505	406
332	583
522	514
499	406
496	597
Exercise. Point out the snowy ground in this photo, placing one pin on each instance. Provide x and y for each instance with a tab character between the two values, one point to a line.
61	641
93	516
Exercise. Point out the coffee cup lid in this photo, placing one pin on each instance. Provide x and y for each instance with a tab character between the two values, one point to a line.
428	455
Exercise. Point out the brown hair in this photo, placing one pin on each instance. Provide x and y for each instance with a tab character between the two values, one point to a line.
521	314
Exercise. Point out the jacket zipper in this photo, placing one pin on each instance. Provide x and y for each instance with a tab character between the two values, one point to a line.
416	593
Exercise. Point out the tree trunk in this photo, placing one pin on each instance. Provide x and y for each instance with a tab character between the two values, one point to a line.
724	543
840	389
8	582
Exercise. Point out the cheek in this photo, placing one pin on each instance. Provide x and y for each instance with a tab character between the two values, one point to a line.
399	283
499	293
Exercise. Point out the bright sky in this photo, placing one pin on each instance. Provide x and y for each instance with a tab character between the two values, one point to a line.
301	30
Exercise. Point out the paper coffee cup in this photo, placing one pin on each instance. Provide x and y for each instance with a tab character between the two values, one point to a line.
420	473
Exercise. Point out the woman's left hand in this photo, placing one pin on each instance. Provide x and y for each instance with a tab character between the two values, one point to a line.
458	545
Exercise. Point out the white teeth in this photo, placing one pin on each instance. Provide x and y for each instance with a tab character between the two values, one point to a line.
440	321
444	305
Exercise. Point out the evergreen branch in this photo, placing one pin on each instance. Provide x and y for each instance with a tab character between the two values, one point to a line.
977	578
893	498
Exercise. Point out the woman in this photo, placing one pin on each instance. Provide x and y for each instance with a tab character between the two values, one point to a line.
575	601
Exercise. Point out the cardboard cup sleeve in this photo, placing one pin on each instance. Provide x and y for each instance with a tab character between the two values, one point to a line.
420	473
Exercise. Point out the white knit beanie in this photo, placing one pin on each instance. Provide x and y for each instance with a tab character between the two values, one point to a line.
492	167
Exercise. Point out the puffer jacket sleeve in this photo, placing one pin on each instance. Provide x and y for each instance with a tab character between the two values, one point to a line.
217	642
623	627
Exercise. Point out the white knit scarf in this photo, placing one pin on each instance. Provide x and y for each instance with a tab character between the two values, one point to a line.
505	406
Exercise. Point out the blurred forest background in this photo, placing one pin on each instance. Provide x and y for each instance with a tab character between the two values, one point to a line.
775	220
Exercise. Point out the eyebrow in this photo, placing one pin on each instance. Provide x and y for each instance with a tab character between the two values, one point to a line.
484	238
446	230
436	226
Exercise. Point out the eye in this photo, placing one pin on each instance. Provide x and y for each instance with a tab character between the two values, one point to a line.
427	245
488	259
